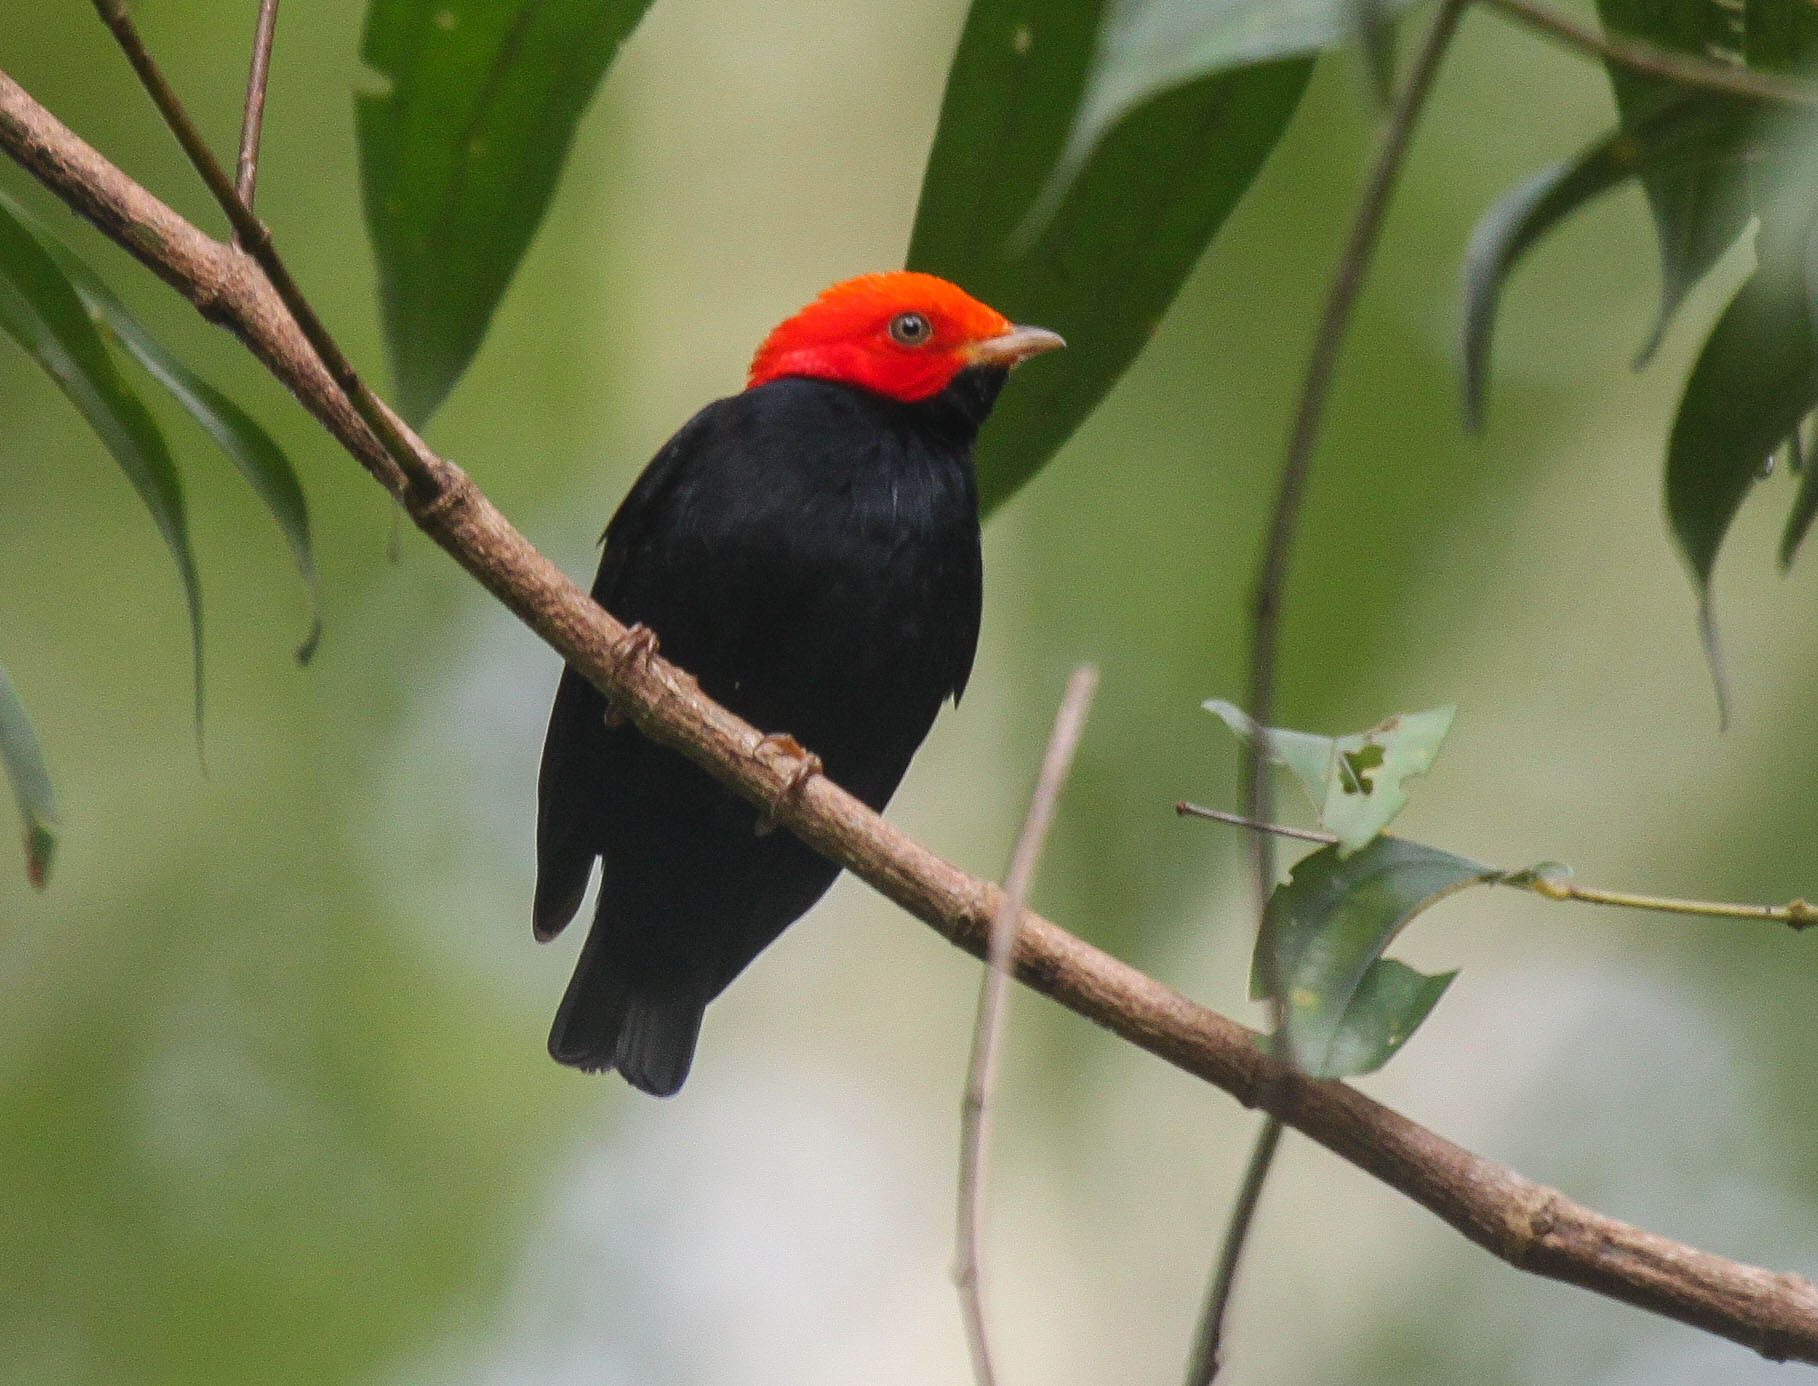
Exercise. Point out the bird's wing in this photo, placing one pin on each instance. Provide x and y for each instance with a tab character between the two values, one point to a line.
574	771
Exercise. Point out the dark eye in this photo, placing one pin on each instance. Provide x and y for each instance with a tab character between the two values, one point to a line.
910	329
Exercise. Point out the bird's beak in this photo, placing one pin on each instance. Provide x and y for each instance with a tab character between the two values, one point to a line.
1018	344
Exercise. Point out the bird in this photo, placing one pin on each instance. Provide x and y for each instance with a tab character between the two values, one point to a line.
807	550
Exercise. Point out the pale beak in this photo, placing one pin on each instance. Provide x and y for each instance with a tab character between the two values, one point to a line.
1018	344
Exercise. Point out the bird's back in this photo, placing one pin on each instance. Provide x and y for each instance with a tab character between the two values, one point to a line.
809	551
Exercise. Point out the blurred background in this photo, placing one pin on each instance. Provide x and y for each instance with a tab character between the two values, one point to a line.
274	1104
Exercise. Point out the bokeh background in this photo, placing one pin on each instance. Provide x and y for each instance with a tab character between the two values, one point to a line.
274	1105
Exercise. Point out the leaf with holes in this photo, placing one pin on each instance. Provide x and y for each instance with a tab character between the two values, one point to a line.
1345	1008
1354	781
248	446
41	311
1103	262
23	760
459	158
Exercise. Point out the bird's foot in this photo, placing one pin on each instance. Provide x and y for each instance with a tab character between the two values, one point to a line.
639	644
805	766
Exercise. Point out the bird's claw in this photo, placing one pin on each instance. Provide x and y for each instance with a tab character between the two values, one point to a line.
805	766
637	647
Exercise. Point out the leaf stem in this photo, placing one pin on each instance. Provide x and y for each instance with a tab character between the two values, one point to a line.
1638	55
255	238
1208	1343
994	1003
1552	884
252	123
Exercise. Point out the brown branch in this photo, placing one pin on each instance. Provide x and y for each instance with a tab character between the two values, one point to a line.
252	122
1638	55
407	457
1526	1224
994	1004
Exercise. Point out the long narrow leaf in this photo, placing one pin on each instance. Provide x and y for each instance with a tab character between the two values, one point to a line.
1104	266
248	446
23	760
40	310
459	158
1699	209
1686	134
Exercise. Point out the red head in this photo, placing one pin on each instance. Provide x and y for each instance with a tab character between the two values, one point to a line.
901	334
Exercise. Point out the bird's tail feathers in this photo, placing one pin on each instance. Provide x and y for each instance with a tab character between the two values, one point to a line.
606	1023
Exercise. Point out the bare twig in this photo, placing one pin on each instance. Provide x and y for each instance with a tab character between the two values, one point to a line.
1209	1343
994	1004
1638	55
407	456
1526	1224
1795	914
1272	575
1557	883
1297	466
253	121
1237	820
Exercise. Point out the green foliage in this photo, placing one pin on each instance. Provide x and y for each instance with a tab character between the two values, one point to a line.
1345	1008
1683	136
459	158
1355	781
248	446
41	310
23	760
1101	259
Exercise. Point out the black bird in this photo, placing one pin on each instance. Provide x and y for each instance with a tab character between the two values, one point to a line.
809	550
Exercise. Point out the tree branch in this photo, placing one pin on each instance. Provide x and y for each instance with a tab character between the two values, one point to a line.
1638	55
252	122
1526	1224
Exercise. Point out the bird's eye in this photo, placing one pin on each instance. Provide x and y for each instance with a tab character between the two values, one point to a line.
910	329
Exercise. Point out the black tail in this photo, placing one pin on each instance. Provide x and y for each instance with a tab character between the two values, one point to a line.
608	1022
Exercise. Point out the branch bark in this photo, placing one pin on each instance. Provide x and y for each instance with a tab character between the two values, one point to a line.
1532	1227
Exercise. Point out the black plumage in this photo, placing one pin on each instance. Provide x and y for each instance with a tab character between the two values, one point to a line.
809	550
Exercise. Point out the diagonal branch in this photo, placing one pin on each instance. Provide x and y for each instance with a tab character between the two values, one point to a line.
1532	1227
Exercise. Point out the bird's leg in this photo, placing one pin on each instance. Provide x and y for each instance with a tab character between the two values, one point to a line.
806	765
639	644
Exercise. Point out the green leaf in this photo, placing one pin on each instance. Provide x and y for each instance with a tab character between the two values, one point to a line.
1147	47
1103	267
23	759
1698	209
459	158
1344	1009
251	449
1354	781
1681	137
1756	377
41	311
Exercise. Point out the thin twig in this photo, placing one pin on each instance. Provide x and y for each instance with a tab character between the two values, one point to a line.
411	458
1557	884
1528	1225
993	1004
1795	914
252	122
1209	1343
1638	55
1237	820
1297	467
